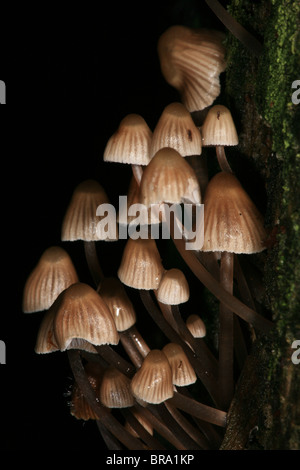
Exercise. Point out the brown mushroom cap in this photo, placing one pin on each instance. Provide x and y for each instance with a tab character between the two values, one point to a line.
169	178
183	373
191	61
173	288
114	295
196	326
218	127
53	273
81	220
141	266
152	383
232	222
81	313
130	143
176	129
115	389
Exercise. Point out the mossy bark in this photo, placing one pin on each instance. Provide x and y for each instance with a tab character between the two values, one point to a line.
265	413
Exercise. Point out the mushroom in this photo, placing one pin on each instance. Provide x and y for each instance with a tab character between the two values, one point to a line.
176	129
183	373
232	225
219	130
191	61
79	406
82	221
114	390
130	144
53	273
81	313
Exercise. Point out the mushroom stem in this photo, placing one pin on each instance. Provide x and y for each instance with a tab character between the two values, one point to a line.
149	440
130	348
235	28
232	302
106	418
114	359
226	328
222	159
138	341
137	171
111	442
194	408
93	262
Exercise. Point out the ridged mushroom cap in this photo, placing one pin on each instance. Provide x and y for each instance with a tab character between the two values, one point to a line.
152	383
81	218
232	222
53	273
183	373
176	129
141	266
218	127
81	313
191	61
130	143
173	288
169	178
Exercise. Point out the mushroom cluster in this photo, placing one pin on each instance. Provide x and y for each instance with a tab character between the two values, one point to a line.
176	396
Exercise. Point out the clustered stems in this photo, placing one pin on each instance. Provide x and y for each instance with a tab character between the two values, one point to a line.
93	262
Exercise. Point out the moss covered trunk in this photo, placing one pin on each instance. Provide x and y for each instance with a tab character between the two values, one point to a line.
265	413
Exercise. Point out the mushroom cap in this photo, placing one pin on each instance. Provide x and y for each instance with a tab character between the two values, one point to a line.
196	326
114	295
232	222
141	266
130	143
183	373
191	61
53	273
173	288
115	389
81	220
152	383
218	127
169	178
176	129
80	312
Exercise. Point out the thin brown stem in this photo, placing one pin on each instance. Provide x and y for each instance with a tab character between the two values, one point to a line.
235	28
93	262
114	359
226	347
222	159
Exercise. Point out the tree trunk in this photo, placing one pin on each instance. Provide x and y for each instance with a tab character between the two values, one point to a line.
265	412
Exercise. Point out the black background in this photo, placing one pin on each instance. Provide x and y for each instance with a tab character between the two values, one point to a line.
72	73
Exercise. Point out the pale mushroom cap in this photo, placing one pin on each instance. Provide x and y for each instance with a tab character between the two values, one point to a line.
169	179
81	220
191	61
218	127
53	273
115	389
232	222
130	143
46	341
152	383
173	288
141	266
196	326
183	373
114	295
176	129
81	313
